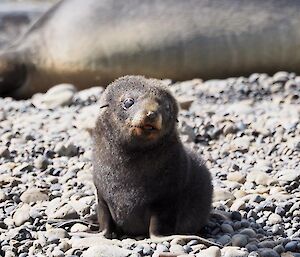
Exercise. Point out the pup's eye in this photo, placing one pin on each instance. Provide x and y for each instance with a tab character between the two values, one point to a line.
127	103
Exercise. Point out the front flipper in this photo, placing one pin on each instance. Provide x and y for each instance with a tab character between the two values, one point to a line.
106	223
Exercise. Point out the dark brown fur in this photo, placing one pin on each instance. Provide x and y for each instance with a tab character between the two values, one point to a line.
147	181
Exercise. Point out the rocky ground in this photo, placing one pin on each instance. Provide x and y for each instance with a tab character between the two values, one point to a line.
247	130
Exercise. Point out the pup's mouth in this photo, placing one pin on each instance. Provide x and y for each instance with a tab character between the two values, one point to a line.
145	128
149	127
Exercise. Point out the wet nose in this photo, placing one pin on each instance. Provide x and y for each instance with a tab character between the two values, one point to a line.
151	115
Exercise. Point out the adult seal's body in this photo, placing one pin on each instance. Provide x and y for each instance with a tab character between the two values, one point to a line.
147	181
93	42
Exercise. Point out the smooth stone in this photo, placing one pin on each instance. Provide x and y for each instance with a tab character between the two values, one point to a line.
222	195
178	249
236	177
2	196
267	244
58	209
83	205
225	239
241	143
41	162
260	178
212	251
239	240
57	96
185	102
265	252
279	249
105	251
34	195
4	152
235	215
291	246
238	205
22	215
57	253
57	233
226	228
161	248
230	251
249	232
288	175
251	247
79	228
274	219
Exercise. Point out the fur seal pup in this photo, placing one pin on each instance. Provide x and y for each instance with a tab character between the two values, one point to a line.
93	42
147	182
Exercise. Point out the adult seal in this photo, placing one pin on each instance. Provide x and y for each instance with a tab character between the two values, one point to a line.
93	42
147	181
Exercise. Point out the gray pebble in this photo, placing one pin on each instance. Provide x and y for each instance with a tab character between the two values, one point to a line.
224	240
265	252
291	246
226	228
239	240
249	232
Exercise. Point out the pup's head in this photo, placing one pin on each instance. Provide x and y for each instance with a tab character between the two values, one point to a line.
138	112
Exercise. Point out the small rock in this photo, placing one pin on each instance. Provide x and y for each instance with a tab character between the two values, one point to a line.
238	205
224	240
161	248
34	195
260	178
231	251
241	143
249	232
274	219
265	252
237	177
57	253
226	228
239	240
57	96
2	196
291	246
56	233
79	228
4	152
106	250
185	102
21	215
222	195
212	251
178	249
288	175
41	162
58	209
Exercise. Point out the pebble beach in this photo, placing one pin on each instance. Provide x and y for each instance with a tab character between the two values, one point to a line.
247	130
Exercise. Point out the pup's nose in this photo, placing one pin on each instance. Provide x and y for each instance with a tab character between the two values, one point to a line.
151	115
